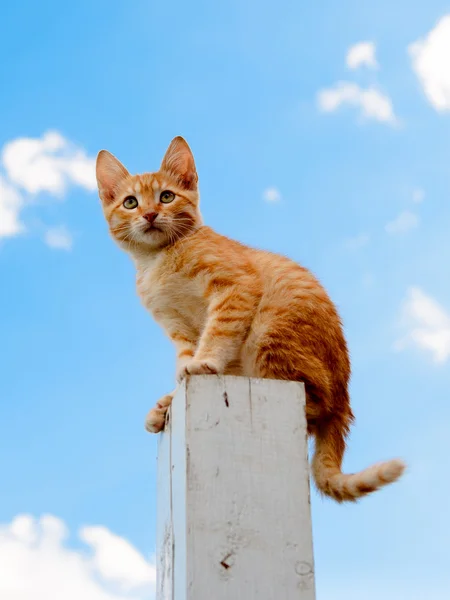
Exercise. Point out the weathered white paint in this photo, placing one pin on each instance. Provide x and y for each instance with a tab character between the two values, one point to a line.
234	518
164	528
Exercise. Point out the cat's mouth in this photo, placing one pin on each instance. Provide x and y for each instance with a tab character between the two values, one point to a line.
150	228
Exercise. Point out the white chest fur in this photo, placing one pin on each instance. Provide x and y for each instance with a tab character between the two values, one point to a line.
168	293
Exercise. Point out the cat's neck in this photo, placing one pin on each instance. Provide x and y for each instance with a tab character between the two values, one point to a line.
146	258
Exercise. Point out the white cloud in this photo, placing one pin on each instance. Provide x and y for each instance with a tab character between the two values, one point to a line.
47	164
357	242
59	238
36	564
271	194
371	102
427	325
11	203
418	196
117	560
34	165
405	221
430	60
362	54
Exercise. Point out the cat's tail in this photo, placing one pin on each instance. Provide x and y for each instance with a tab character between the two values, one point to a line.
327	473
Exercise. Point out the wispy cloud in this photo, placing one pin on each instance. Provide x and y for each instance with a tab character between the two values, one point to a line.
11	203
59	238
427	325
430	60
406	221
418	196
272	195
357	242
32	166
362	55
36	563
371	102
368	280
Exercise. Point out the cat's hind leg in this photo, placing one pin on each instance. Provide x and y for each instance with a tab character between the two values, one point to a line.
278	356
156	418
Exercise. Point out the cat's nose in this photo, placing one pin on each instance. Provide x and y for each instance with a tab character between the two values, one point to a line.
150	217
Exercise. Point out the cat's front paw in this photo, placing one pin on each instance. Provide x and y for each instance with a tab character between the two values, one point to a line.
181	368
156	418
201	367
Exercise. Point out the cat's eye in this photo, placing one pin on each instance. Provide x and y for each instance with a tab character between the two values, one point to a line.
167	197
130	202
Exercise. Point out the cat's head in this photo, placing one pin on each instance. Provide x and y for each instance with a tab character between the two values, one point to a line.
153	210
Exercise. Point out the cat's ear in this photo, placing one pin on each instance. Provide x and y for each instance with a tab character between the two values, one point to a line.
110	173
179	162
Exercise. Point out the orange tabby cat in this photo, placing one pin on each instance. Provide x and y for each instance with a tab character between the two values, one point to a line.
235	310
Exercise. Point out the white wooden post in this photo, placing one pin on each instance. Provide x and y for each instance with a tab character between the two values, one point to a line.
234	518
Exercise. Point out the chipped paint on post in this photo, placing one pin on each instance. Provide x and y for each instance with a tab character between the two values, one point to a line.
165	565
164	528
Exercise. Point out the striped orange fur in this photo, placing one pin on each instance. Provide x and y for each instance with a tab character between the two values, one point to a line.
234	310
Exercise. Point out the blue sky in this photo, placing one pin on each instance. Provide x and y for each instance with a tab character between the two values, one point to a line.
321	132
